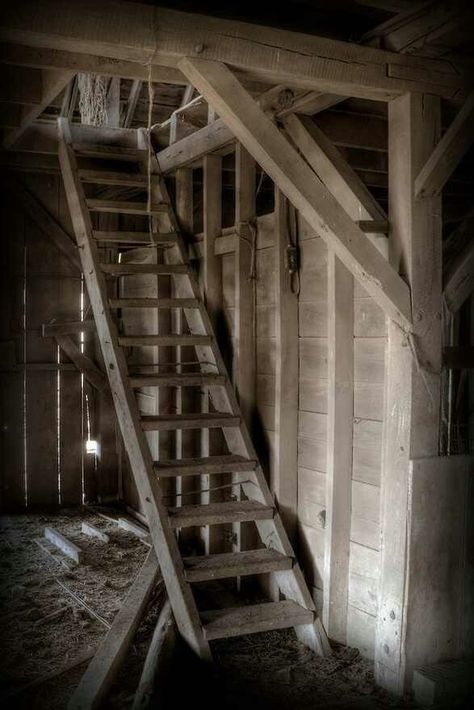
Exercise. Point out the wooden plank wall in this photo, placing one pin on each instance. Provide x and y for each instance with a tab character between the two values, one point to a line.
43	458
369	347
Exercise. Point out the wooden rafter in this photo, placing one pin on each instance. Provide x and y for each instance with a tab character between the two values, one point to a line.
83	363
53	82
459	280
143	33
338	176
45	221
449	151
298	182
421	24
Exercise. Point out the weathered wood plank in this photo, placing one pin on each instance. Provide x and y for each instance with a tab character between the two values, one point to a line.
157	658
100	674
339	447
69	548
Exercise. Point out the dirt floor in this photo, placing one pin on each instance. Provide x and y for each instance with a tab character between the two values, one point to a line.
44	628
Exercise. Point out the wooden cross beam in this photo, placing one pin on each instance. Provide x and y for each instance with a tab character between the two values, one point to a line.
302	187
143	33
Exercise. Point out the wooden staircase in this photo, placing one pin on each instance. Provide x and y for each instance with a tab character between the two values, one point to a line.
276	556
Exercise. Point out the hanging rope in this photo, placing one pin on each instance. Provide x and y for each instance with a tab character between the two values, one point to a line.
92	99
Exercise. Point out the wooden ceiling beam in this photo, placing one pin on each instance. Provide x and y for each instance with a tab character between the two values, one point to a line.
302	187
44	58
145	33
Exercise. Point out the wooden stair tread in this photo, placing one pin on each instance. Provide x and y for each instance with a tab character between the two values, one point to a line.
124	269
210	464
110	152
235	564
154	303
164	340
135	237
124	206
237	621
169	422
177	380
107	177
218	513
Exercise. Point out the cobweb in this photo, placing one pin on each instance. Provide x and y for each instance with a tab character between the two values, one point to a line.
92	99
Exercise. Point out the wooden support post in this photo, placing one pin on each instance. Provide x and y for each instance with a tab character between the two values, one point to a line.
286	376
339	447
113	103
212	285
244	365
244	322
412	385
186	443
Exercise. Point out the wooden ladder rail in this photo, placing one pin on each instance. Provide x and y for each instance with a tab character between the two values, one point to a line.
272	532
164	540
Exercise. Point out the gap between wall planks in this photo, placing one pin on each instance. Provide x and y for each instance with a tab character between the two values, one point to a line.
12	480
51	283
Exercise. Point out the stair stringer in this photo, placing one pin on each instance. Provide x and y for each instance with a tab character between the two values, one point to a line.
164	540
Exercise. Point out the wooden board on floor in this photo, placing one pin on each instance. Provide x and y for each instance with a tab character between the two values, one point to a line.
103	668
